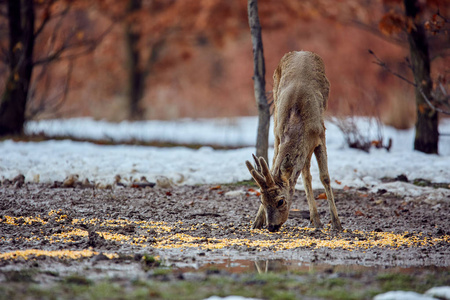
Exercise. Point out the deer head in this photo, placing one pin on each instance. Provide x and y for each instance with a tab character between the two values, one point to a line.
276	196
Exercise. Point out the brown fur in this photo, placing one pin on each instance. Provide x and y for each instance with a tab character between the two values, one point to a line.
300	98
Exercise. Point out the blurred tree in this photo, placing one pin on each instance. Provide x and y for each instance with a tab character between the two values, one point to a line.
427	135
21	19
173	26
137	68
412	23
259	81
62	43
405	23
132	16
135	74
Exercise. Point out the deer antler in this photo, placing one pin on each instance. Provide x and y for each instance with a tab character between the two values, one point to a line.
261	174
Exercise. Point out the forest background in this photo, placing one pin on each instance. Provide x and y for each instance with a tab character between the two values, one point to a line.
167	59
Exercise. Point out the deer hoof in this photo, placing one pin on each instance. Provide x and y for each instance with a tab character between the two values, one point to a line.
317	224
337	227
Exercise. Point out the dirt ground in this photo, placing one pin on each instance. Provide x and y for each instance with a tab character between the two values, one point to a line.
125	232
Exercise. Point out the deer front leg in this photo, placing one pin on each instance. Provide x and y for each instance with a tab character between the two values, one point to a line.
260	219
306	177
321	156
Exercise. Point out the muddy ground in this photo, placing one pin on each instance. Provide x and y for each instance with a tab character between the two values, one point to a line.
50	233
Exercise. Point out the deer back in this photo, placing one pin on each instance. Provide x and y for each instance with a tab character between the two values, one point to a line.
304	66
300	94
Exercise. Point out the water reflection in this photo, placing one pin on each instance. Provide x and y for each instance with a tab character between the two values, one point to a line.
275	265
296	266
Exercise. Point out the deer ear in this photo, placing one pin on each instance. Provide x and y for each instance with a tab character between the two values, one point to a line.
286	168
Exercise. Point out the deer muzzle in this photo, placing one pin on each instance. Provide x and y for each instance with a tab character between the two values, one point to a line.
274	228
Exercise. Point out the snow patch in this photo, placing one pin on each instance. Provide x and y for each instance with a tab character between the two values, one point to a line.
51	161
441	292
401	295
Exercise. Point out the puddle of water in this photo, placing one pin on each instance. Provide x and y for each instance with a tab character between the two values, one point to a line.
283	266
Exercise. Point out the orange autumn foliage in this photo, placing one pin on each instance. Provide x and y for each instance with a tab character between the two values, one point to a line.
205	66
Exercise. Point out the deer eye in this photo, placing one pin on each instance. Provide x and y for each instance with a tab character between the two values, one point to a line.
280	203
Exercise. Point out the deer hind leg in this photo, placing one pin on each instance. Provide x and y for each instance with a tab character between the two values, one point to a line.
321	156
306	177
260	219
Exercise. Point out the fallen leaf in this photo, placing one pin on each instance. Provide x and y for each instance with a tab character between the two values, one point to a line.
322	196
168	194
359	213
363	195
253	191
338	182
215	188
377	144
346	188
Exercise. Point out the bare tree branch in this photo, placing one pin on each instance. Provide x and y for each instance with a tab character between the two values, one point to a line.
386	67
33	111
58	105
83	48
427	100
45	102
46	18
431	104
53	38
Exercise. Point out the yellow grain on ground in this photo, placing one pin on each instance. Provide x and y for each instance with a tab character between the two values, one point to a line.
117	237
179	240
365	241
23	220
162	236
70	233
67	254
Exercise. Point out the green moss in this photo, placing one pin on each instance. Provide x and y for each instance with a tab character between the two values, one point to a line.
77	279
283	295
105	290
396	281
148	258
424	182
265	286
25	275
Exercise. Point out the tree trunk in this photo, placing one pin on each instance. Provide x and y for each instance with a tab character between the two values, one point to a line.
21	43
262	141
135	87
427	135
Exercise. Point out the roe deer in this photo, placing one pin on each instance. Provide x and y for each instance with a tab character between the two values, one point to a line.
300	93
